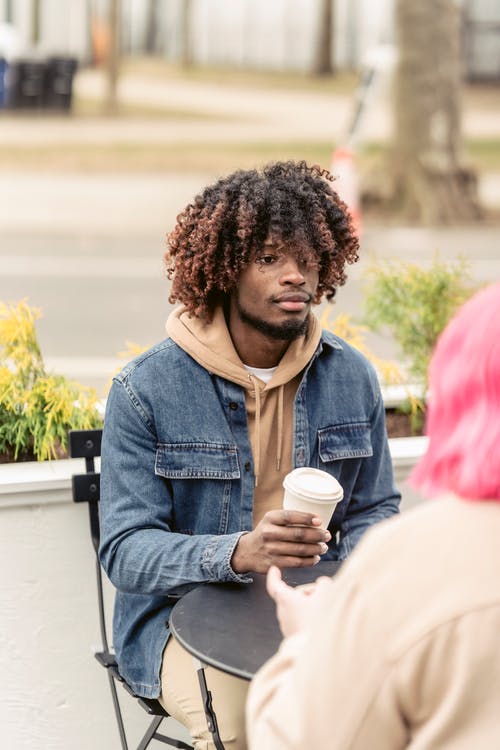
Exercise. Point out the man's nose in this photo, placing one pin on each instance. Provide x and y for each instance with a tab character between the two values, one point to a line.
292	272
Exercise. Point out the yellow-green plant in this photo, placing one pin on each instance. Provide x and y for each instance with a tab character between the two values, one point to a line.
37	408
354	333
415	303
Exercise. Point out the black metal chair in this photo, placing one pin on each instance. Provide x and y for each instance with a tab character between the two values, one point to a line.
86	488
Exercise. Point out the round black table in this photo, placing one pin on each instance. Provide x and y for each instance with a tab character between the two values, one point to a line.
233	627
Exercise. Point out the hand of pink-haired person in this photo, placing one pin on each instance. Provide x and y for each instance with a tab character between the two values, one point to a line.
296	606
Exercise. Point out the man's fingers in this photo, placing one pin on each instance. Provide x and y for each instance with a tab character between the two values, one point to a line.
287	532
284	548
292	517
296	562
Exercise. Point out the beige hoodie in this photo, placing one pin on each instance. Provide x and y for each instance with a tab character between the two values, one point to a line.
269	407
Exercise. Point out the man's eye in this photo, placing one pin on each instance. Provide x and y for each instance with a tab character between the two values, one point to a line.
266	260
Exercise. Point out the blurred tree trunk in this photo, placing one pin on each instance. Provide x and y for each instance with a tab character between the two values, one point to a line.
186	57
35	21
323	52
113	57
90	27
431	184
151	36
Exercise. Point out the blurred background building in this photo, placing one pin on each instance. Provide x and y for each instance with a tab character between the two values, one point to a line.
279	35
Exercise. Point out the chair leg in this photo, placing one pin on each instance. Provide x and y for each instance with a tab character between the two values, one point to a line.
150	734
118	712
207	705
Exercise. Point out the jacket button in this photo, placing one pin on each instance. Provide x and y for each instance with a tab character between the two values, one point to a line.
248	466
233	405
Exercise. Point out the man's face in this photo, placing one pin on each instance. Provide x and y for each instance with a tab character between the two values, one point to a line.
275	292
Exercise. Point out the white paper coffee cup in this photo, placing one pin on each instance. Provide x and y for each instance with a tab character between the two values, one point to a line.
312	491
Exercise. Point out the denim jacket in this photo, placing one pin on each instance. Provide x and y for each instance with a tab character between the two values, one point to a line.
177	480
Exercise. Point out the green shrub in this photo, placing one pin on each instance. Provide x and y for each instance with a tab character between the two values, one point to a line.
354	334
37	408
415	304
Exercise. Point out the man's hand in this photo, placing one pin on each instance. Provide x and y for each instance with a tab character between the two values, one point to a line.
286	538
296	607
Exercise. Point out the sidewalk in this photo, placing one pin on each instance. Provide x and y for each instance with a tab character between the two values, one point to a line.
220	113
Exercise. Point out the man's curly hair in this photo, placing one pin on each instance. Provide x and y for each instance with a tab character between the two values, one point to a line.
217	234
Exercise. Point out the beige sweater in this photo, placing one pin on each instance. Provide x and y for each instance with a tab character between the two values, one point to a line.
407	654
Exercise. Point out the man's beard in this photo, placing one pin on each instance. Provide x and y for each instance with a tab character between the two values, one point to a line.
289	330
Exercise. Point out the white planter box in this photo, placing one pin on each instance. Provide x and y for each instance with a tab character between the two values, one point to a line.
54	694
405	453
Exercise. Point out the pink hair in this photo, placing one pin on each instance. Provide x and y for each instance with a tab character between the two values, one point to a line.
463	420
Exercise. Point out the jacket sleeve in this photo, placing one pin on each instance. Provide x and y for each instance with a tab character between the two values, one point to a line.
374	496
139	551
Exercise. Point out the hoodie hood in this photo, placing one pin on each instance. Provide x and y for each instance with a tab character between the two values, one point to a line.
210	344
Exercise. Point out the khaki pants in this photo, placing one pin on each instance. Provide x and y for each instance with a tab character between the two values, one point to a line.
181	697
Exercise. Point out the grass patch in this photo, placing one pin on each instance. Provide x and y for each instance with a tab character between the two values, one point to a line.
482	153
343	82
216	158
213	157
92	108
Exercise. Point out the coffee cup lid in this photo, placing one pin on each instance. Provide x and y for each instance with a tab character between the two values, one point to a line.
313	484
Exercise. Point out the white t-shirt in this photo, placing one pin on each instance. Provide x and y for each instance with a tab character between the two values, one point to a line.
263	373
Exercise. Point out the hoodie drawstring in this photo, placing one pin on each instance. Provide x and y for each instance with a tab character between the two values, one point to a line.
257	427
279	449
280	427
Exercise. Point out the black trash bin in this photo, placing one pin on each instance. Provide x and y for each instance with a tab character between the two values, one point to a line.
59	74
3	82
25	84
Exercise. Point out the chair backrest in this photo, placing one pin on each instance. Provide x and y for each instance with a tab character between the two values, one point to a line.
86	489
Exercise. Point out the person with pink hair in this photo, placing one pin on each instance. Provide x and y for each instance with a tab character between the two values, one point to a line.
401	648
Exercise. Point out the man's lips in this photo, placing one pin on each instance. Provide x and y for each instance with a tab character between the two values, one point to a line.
293	301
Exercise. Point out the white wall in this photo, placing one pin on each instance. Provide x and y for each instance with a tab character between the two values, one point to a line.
53	693
267	34
70	35
277	35
255	33
63	27
359	26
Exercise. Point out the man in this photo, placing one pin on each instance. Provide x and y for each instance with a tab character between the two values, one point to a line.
201	429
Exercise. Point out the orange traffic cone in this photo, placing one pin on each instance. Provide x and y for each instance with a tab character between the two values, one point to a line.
343	168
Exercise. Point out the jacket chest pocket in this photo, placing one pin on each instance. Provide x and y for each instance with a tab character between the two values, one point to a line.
201	506
197	461
345	441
